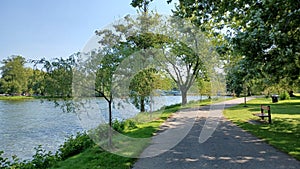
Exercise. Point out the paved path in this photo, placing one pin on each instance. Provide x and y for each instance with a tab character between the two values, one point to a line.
178	145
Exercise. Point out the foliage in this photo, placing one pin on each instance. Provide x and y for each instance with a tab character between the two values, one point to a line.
188	54
58	77
284	96
14	76
236	79
40	160
141	86
130	124
204	87
75	145
265	33
118	126
140	3
36	83
121	126
54	80
43	159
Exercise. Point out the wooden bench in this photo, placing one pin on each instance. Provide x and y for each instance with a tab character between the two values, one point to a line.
263	114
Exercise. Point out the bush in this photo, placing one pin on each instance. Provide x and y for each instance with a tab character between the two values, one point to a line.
284	96
75	145
130	124
42	159
118	126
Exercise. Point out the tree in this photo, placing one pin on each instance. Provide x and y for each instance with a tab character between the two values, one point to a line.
141	4
141	87
188	56
14	75
143	83
266	33
57	80
204	87
36	83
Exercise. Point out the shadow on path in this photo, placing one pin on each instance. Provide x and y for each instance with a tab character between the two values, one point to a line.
228	147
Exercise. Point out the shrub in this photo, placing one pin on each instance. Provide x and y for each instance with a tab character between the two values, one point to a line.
118	126
130	124
284	96
42	159
75	145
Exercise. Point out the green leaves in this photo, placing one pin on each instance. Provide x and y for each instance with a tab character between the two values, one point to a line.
266	33
14	75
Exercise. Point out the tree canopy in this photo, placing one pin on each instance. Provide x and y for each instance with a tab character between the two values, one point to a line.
265	33
15	75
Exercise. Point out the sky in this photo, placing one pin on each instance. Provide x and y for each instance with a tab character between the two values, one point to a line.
37	29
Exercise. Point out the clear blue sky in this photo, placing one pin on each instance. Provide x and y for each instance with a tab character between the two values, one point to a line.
58	28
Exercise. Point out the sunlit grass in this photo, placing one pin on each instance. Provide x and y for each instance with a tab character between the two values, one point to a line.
15	97
283	133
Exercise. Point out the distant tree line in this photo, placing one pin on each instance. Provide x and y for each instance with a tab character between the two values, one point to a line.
53	79
16	79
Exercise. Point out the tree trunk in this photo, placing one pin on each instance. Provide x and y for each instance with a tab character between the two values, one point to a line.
249	91
183	97
110	123
142	102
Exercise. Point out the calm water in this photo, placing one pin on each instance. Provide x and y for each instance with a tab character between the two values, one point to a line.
29	123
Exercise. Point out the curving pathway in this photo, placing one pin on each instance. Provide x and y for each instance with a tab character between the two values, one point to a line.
229	147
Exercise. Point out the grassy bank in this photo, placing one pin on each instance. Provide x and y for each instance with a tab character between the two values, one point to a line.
283	133
15	97
95	157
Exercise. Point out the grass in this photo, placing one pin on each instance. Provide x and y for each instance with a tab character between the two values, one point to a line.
15	97
147	125
283	133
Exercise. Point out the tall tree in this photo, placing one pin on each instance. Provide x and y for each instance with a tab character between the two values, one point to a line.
186	63
141	87
14	75
57	80
266	33
36	83
188	55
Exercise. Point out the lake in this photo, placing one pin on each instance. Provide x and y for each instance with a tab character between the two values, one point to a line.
25	124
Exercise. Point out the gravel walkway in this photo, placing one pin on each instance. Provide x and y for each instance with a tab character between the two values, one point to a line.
179	145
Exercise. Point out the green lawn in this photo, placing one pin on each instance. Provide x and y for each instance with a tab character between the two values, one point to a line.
283	133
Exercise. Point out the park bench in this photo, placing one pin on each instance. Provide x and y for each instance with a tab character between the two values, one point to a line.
263	114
